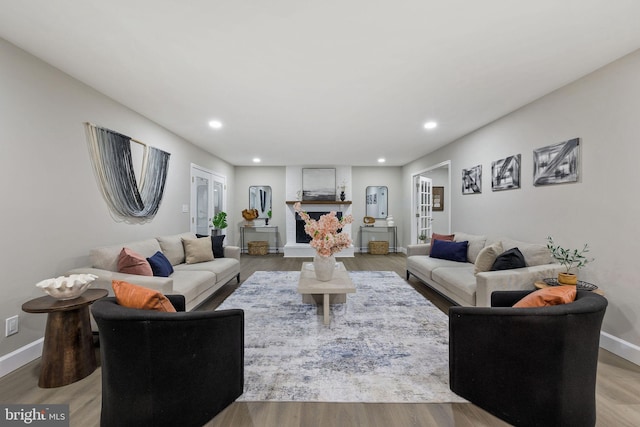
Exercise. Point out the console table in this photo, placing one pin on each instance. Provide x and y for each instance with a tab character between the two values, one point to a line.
388	230
259	229
68	354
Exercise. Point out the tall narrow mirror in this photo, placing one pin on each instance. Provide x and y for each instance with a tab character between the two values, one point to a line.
260	199
377	198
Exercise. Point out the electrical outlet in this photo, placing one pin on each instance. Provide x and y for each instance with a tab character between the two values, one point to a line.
11	326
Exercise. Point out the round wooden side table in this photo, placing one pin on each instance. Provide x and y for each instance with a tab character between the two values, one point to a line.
541	285
68	354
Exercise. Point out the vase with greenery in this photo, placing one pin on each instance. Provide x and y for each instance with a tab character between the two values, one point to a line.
569	258
422	238
219	222
268	218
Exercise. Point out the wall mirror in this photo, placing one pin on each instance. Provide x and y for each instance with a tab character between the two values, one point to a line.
260	199
377	198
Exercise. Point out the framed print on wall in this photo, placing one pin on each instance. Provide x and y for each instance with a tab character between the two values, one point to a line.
437	199
556	164
319	184
472	180
505	173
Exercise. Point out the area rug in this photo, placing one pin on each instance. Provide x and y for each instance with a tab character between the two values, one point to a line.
386	344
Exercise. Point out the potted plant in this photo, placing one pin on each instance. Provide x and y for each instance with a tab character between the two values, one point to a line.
422	238
219	221
268	217
569	258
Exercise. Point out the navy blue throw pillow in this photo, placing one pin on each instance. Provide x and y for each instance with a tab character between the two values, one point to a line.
216	246
453	251
509	260
160	265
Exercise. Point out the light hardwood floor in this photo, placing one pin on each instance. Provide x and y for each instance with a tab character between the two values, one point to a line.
618	385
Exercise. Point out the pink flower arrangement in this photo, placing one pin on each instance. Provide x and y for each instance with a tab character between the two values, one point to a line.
325	237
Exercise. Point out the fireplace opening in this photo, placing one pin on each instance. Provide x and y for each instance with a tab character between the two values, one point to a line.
301	235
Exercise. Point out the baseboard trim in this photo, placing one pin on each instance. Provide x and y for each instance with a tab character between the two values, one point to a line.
20	357
620	347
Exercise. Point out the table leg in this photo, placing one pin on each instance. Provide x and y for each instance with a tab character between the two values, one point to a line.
325	309
68	354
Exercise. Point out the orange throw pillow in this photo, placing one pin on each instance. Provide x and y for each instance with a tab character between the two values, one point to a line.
445	237
134	296
553	295
131	262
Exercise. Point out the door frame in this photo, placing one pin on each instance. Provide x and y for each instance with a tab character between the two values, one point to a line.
214	177
414	226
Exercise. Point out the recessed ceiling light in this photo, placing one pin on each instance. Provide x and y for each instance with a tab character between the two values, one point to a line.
216	124
382	160
256	160
430	125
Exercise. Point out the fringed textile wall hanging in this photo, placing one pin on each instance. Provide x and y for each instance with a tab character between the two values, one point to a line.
112	162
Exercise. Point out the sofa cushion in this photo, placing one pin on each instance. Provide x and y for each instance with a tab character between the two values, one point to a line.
436	236
509	260
452	251
422	266
160	265
197	250
216	245
172	246
193	282
487	257
459	281
553	295
476	243
534	254
131	262
106	257
139	297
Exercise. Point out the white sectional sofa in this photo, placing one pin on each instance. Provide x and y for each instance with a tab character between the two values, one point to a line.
196	282
458	281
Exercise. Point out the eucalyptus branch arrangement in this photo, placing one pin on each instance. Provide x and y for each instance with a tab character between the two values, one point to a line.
569	257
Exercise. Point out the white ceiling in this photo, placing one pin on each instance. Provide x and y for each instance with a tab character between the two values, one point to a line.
327	82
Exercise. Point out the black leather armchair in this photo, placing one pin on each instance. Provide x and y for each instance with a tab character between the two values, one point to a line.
528	366
168	369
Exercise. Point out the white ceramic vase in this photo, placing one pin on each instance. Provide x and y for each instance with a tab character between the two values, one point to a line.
324	267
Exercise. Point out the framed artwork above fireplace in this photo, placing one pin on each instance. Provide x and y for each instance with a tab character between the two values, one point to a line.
319	184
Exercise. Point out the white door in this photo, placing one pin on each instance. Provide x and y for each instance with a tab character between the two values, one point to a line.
201	201
207	198
422	207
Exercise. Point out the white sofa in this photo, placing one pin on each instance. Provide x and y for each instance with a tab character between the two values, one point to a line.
196	282
457	280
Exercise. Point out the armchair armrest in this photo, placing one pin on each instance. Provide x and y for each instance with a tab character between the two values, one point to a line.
420	249
232	252
506	280
160	284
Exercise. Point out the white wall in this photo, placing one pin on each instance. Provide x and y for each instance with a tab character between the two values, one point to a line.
602	209
52	209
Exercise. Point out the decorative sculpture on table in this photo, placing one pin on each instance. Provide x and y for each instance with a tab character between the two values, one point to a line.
327	239
249	215
64	288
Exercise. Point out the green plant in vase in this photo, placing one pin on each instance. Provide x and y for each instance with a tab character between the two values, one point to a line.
569	258
219	220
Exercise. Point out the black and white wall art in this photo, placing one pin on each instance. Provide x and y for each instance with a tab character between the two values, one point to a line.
556	164
319	184
472	180
505	173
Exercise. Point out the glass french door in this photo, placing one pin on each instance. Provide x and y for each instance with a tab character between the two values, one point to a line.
422	207
207	198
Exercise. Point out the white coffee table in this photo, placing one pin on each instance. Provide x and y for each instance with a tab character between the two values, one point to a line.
321	293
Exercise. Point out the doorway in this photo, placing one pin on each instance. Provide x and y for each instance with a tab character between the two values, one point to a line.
207	198
437	220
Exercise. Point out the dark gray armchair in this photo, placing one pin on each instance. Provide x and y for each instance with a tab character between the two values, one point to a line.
168	369
528	366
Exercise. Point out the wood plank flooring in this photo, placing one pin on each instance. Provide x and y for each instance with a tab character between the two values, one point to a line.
617	393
